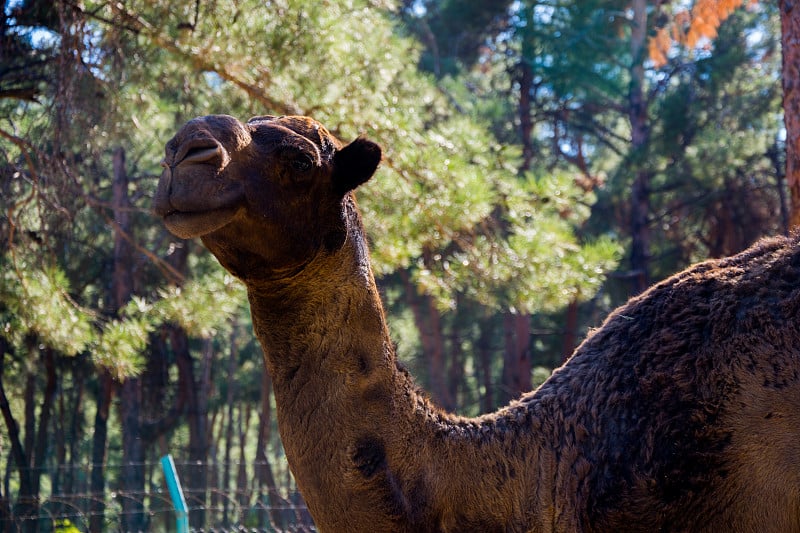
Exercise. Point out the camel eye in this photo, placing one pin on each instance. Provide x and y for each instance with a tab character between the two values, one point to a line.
302	163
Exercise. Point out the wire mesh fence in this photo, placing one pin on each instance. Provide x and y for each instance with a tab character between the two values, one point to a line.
67	505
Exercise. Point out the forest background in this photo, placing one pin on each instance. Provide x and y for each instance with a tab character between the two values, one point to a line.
544	161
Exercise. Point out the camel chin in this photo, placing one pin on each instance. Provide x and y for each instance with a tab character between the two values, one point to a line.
197	224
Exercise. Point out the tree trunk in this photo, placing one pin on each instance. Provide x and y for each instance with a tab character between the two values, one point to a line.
193	393
570	330
122	282
243	490
75	432
525	121
97	486
45	412
226	475
189	396
130	406
269	509
790	42
27	501
213	471
516	356
516	327
133	457
197	476
455	374
60	435
435	353
5	504
29	399
485	351
774	155
5	497
640	136
36	439
428	322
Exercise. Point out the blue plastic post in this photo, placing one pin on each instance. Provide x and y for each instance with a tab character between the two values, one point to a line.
176	493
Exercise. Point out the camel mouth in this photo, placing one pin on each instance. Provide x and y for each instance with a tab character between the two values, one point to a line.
190	224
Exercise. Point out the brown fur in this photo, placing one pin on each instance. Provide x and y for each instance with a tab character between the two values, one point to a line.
680	413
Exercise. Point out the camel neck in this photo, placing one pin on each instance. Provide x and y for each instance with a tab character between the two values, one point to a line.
358	435
325	320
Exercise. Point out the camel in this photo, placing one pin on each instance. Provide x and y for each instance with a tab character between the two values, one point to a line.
680	413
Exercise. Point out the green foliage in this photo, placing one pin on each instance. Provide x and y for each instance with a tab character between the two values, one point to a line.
440	184
120	345
37	303
201	306
65	526
540	375
458	28
714	177
537	264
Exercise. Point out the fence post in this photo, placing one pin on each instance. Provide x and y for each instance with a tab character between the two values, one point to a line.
176	493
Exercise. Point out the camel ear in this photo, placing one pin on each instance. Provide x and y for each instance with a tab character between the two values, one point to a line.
355	164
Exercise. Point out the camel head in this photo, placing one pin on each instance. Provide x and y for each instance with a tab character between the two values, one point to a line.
265	196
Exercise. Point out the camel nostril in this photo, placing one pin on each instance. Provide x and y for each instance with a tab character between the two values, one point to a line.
200	149
201	154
